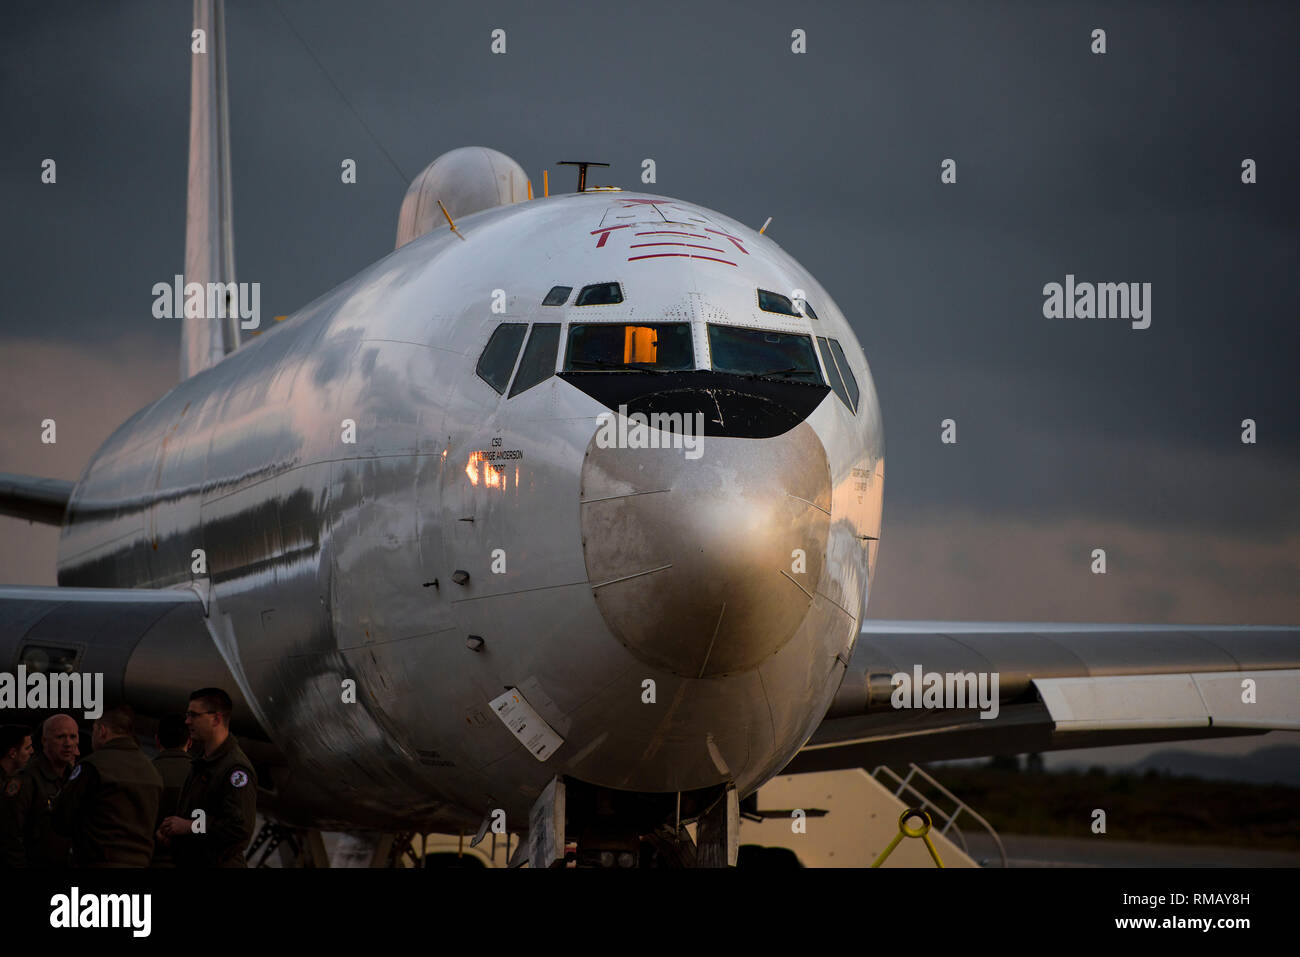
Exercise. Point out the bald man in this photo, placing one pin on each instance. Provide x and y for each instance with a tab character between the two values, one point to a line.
42	780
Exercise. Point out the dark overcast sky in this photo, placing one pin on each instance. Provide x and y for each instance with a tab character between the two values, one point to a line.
1072	435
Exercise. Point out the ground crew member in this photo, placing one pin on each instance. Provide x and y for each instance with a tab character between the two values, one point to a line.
109	807
221	784
43	778
15	751
173	763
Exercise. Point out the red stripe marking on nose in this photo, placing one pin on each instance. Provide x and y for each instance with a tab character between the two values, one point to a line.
683	255
711	249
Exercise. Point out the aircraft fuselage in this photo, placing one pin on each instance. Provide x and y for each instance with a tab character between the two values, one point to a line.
679	622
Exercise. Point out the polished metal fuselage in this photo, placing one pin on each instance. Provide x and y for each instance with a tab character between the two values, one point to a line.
322	553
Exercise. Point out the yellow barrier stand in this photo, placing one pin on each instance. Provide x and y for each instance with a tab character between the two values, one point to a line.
923	832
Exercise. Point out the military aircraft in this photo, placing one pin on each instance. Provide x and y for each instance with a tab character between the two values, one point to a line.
564	512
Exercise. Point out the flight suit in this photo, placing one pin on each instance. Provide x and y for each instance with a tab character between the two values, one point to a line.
12	853
174	766
109	807
41	784
224	786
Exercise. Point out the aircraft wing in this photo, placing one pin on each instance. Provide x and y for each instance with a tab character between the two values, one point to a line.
35	499
1059	686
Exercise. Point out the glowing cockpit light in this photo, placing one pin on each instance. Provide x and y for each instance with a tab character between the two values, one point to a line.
640	344
608	346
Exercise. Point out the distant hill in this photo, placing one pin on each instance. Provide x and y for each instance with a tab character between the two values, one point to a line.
1276	765
1162	802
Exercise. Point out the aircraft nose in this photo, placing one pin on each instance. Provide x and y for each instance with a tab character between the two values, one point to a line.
706	565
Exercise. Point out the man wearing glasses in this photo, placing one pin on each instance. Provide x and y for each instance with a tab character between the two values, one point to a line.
221	784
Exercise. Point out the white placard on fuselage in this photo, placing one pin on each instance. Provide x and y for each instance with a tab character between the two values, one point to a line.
526	724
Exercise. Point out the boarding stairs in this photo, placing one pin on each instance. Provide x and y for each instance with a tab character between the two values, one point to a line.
925	793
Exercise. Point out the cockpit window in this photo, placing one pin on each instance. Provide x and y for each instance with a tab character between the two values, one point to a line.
650	347
558	296
601	294
833	373
49	659
498	358
835	355
775	302
538	363
762	353
849	381
808	310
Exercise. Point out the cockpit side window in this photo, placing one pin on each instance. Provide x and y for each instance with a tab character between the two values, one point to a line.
775	302
600	294
832	370
809	311
558	296
538	363
763	353
498	358
616	346
850	382
39	658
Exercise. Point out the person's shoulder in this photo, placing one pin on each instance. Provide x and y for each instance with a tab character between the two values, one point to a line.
31	785
85	768
137	759
234	754
240	776
12	787
237	769
38	771
150	771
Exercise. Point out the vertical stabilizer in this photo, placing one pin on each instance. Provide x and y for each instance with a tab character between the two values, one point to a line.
209	239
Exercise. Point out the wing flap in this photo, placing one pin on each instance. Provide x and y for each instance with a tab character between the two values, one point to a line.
1270	703
1273	701
1060	686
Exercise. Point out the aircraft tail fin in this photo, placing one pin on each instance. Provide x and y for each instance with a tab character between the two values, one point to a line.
209	236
